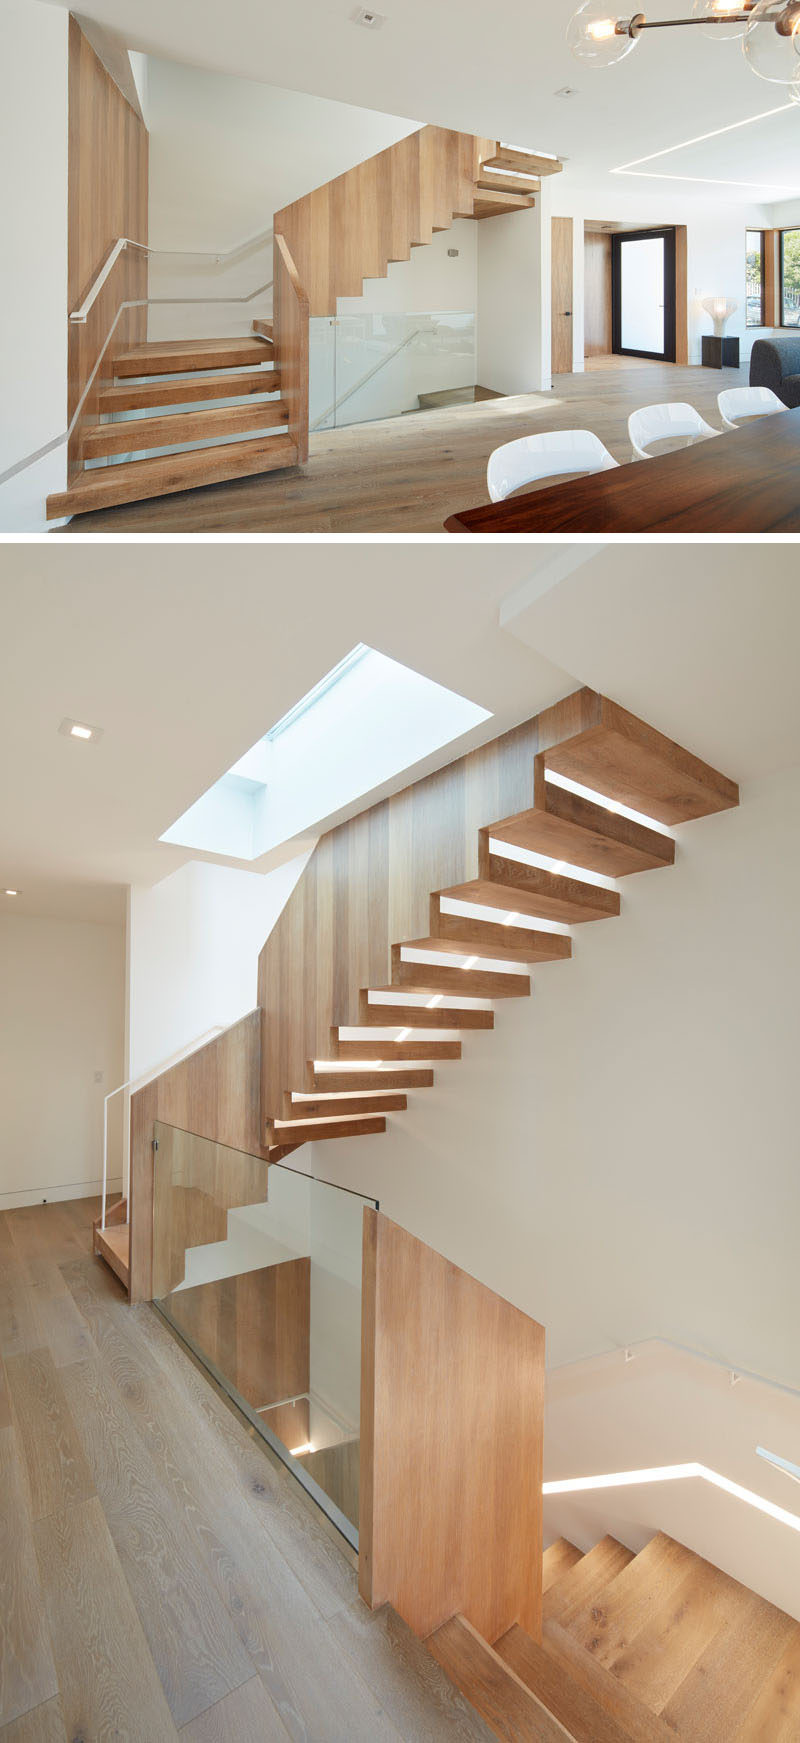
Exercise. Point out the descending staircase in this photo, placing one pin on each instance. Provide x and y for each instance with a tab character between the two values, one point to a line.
635	1649
167	419
486	934
113	1243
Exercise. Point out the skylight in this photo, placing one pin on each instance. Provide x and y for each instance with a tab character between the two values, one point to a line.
366	721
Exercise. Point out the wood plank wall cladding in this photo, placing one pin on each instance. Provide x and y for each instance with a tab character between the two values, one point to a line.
215	1094
597	338
255	1328
351	228
452	1409
107	198
368	884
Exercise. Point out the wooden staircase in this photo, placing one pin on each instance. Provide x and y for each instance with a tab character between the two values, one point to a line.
635	1649
486	934
166	419
113	1243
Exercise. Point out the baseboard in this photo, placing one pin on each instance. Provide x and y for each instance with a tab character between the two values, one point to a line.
56	1194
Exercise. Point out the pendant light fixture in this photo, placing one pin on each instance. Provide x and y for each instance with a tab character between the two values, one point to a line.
769	29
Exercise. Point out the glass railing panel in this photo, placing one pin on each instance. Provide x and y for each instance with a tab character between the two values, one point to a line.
387	364
258	1267
321	373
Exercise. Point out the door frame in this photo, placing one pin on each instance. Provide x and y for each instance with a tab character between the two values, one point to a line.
618	237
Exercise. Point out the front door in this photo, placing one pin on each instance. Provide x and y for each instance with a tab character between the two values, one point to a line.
561	295
643	293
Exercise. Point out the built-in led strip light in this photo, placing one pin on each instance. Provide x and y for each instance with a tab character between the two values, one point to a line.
498	916
671	1474
591	793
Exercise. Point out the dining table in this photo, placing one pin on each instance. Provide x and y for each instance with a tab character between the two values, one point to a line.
742	481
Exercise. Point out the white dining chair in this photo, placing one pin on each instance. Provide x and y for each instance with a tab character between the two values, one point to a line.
677	423
550	455
747	402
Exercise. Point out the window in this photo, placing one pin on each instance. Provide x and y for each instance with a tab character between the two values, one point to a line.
790	278
754	257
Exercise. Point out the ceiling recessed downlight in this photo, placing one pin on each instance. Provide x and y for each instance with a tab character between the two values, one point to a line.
367	19
81	730
11	892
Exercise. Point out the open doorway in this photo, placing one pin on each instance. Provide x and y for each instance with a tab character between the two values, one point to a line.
635	303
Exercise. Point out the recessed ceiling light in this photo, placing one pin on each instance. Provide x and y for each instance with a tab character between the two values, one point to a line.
11	892
80	729
566	91
369	20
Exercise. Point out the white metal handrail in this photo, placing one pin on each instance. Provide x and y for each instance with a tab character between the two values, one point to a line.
139	1083
124	242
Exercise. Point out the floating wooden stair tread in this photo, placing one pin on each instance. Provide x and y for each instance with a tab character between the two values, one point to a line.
314	1131
166	356
463	936
472	983
620	756
579	1712
493	181
263	328
609	1619
321	1107
420	1017
638	1723
137	395
491	204
580	1585
392	1050
565	826
528	162
136	480
544	894
113	1245
501	1697
557	1561
334	1078
199	426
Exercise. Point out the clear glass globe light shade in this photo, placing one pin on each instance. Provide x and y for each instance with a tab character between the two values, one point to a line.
793	92
723	19
593	37
772	40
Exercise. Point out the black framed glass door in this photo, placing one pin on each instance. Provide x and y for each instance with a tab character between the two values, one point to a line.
643	294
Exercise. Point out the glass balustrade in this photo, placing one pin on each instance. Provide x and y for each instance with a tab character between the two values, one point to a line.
369	366
258	1267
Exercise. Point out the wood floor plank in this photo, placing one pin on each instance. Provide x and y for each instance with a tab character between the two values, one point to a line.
43	1725
56	1468
424	1704
245	1716
107	1680
192	1639
27	1672
62	1327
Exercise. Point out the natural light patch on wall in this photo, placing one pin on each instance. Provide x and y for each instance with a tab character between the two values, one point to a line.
368	720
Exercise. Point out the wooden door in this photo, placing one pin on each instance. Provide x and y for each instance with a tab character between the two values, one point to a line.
561	295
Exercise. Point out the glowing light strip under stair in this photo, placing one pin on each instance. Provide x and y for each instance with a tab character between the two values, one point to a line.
670	1474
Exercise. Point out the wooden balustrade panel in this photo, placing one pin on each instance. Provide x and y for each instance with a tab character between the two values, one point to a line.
256	1329
215	1094
107	199
290	327
368	885
452	1408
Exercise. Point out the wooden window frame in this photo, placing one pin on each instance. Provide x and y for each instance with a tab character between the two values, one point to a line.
786	230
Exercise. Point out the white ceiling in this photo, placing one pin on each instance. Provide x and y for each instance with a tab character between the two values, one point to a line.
462	66
186	653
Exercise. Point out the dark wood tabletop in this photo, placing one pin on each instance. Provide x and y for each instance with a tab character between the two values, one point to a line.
745	481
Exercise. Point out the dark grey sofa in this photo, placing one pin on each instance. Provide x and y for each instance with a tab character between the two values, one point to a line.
775	363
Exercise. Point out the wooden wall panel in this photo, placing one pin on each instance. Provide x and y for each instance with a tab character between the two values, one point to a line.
368	884
291	344
216	1093
597	339
452	1410
561	288
255	1328
107	198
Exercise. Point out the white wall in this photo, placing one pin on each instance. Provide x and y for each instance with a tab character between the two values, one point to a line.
193	948
61	1019
619	1158
715	249
33	283
225	155
514	299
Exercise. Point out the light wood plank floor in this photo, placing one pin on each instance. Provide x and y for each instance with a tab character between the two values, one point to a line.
408	474
161	1574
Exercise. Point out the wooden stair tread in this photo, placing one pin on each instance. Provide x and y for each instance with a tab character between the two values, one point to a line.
674	1630
315	1131
528	161
473	983
334	1078
130	396
565	826
320	1107
729	1675
620	756
775	1714
198	426
420	1017
490	203
491	1686
545	894
612	1617
163	356
113	1245
387	1050
567	1700
136	480
461	935
264	328
494	181
557	1561
639	1724
587	1578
